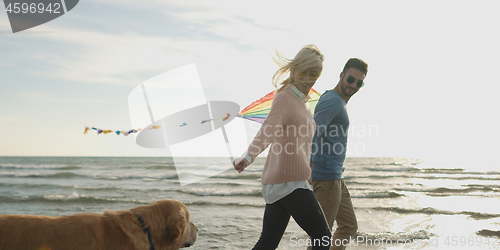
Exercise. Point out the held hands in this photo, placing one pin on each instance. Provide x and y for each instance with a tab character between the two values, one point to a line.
240	164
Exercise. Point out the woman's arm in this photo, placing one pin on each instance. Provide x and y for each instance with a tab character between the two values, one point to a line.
266	134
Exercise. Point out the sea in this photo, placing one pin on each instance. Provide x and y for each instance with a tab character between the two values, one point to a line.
400	203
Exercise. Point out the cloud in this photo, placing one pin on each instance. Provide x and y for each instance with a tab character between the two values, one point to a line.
6	64
41	96
204	33
12	118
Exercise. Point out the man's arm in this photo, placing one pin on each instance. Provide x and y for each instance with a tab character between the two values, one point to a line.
326	110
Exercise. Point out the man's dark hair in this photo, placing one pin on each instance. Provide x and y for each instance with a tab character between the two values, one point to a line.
357	64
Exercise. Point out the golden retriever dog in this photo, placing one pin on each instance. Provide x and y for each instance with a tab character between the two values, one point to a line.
163	225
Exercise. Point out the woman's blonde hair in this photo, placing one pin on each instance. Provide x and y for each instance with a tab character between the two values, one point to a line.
309	56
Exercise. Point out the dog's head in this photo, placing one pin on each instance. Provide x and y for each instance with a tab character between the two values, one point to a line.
169	225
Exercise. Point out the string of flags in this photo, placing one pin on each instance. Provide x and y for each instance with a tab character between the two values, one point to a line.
131	131
118	132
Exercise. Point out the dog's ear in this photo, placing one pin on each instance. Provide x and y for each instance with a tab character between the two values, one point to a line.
153	218
176	226
167	222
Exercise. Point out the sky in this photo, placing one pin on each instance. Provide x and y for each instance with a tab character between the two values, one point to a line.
431	88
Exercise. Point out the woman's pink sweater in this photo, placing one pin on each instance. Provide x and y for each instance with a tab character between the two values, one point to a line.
289	128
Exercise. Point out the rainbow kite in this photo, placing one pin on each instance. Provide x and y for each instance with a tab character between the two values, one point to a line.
258	110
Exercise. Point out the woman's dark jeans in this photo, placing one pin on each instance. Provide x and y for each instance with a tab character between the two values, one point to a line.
302	205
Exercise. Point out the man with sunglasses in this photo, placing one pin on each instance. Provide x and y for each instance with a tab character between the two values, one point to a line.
329	151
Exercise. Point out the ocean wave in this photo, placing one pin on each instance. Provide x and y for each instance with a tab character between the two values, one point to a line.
393	169
223	183
493	187
18	186
125	176
457	171
57	175
352	183
378	195
64	175
424	176
350	177
445	190
65	198
488	233
110	189
433	211
459	178
39	167
219	192
234	204
83	188
162	167
391	164
242	176
443	170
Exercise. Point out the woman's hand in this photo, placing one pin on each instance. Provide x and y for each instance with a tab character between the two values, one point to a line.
240	164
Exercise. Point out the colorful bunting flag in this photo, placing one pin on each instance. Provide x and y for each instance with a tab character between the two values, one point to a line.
125	133
205	121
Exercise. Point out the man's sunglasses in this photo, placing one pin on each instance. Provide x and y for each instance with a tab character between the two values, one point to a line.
351	79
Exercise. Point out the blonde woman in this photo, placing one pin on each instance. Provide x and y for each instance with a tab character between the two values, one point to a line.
289	129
